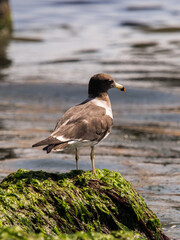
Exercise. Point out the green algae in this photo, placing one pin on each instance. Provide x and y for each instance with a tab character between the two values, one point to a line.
56	204
16	232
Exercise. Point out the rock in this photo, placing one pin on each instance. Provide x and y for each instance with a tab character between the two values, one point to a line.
5	34
5	18
56	204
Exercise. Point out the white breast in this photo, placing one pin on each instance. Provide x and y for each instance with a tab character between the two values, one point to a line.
103	104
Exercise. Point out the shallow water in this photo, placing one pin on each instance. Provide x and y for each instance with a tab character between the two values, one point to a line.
45	68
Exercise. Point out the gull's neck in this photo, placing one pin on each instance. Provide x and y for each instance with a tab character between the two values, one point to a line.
101	97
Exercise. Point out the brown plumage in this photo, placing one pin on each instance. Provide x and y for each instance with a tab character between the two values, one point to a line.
85	124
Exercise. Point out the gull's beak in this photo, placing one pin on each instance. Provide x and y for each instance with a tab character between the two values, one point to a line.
119	86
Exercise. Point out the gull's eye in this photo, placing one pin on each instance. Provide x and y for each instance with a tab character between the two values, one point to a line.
107	81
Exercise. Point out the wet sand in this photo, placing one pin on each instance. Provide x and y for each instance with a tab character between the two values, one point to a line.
143	145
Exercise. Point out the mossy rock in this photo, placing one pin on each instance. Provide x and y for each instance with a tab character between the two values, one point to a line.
56	204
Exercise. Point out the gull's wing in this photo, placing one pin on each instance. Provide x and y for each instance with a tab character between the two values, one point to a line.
86	121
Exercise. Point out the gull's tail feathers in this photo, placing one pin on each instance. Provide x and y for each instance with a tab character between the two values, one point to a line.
48	141
55	147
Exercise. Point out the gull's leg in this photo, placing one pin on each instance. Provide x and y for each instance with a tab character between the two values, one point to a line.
92	159
77	158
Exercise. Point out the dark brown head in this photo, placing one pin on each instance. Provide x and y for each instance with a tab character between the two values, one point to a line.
101	83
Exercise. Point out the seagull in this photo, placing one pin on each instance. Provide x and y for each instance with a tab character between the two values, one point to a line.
87	123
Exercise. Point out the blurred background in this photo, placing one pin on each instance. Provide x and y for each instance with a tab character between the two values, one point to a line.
49	51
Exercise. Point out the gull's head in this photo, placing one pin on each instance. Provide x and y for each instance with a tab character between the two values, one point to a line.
101	83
